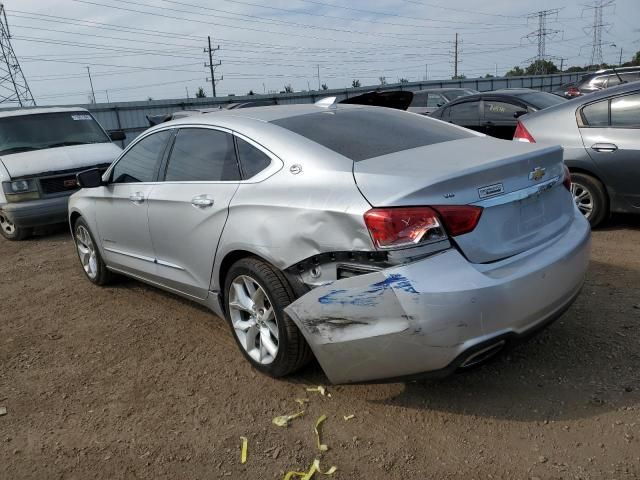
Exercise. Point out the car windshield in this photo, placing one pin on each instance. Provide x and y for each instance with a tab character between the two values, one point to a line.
541	100
24	133
364	133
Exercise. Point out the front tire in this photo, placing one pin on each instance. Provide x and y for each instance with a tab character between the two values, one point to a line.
256	295
590	197
92	264
12	232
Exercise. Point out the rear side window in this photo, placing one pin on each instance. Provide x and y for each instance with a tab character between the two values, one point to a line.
253	161
140	163
435	100
625	111
596	114
201	154
364	133
501	110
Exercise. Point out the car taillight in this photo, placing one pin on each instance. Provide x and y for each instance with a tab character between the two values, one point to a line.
566	181
522	134
573	92
398	227
459	219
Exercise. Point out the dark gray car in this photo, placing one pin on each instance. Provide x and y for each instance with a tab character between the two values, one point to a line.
600	134
428	101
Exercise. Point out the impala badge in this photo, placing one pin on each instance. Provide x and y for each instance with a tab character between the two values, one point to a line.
537	173
490	190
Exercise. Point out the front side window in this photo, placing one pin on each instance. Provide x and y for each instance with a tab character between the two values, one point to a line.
596	114
465	113
625	111
202	155
23	133
253	161
140	163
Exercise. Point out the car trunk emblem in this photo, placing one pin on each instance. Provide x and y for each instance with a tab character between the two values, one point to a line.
537	173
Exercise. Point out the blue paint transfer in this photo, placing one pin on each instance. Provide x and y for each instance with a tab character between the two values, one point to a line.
371	296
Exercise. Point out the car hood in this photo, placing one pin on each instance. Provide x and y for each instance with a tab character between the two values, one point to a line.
60	158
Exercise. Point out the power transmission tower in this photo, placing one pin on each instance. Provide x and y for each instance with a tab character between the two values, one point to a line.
13	84
540	36
457	50
598	7
212	66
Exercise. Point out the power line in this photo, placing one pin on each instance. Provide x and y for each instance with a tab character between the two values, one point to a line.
13	84
540	35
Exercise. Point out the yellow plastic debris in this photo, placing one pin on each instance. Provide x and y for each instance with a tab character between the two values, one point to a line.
321	446
283	421
349	417
243	452
301	401
315	467
320	389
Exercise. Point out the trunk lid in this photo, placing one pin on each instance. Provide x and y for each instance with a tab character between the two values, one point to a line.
519	185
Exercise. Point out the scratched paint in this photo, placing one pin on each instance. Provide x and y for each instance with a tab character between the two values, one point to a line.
372	295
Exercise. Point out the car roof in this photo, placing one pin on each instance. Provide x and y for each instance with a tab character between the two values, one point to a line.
618	69
263	114
38	111
446	89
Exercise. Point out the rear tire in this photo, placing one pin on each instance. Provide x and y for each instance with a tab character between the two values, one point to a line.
255	296
590	197
12	232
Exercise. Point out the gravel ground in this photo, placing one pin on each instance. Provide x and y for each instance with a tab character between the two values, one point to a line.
132	382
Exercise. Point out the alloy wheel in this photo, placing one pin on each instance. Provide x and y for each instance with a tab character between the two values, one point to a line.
7	226
583	198
86	251
253	319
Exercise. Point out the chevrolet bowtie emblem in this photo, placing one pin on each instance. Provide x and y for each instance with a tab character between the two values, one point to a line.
537	173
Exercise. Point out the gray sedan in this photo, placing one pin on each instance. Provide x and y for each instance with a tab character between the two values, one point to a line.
600	136
384	243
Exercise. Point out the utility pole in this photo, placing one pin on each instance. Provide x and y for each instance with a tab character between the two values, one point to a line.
598	7
426	71
13	84
186	89
620	60
212	66
318	77
107	94
93	94
540	36
496	70
455	60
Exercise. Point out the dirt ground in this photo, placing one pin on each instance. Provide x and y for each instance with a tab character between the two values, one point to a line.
132	382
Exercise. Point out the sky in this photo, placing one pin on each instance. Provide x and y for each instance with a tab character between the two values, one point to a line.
137	49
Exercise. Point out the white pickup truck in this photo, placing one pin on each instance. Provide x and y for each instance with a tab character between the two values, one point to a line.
41	150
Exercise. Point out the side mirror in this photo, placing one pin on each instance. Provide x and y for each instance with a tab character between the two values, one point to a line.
90	178
439	104
117	135
520	113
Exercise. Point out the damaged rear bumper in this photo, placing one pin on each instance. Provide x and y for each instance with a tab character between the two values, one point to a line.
436	314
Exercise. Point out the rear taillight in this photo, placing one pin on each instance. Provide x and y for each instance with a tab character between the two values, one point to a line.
398	227
459	219
522	134
573	92
566	181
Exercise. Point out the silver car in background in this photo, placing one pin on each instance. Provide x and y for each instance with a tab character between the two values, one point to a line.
600	135
384	243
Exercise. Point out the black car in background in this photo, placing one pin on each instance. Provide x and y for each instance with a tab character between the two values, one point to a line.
495	113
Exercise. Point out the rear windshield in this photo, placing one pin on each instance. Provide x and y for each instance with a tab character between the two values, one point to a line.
359	134
452	95
24	133
541	100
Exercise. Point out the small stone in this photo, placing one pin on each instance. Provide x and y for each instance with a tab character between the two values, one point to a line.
3	411
628	389
542	459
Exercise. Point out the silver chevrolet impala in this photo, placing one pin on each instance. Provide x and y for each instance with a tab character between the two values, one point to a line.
384	243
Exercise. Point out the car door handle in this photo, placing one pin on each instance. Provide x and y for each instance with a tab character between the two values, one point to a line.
604	147
202	201
137	197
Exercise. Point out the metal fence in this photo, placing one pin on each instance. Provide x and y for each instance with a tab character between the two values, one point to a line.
132	116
